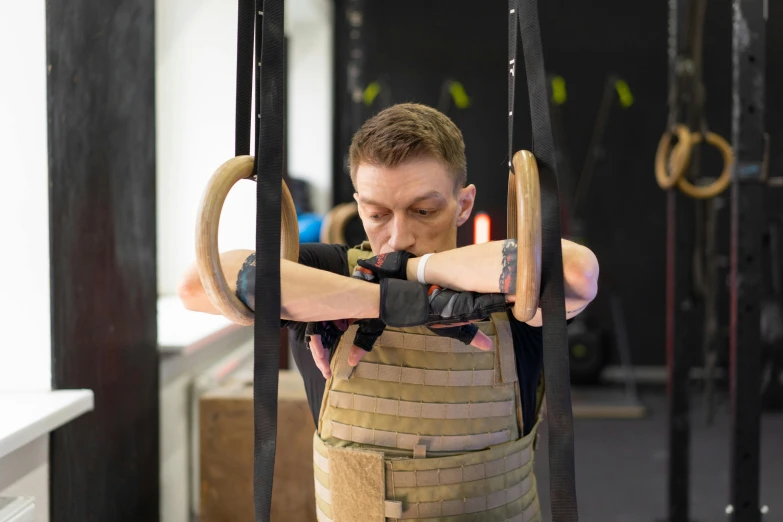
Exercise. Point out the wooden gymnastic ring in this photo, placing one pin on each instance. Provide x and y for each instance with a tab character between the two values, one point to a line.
723	181
207	255
677	163
524	224
335	221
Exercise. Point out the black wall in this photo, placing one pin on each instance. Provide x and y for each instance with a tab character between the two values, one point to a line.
413	46
100	54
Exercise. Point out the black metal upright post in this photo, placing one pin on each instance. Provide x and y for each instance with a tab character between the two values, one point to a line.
681	335
747	226
349	90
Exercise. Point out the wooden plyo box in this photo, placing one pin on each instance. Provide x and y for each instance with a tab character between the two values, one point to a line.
226	418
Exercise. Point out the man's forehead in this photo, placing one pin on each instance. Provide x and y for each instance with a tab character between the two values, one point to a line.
382	199
413	181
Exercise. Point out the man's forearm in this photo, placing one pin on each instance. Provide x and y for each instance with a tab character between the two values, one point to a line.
309	294
492	267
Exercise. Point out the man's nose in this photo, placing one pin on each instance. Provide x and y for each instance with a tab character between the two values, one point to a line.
401	237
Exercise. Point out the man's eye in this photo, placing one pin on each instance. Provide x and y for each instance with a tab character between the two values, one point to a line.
424	213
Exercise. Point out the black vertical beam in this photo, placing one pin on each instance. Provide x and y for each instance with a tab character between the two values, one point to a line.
100	56
681	335
747	226
350	53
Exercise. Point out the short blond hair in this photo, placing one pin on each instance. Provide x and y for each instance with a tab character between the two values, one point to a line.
409	131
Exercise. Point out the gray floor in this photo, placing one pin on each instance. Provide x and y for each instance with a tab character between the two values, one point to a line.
621	466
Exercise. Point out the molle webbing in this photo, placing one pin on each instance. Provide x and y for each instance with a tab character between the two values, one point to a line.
449	401
493	484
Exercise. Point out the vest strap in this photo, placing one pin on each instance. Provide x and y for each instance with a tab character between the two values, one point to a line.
392	509
340	367
320	461
460	475
425	343
395	439
464	506
505	363
403	375
422	410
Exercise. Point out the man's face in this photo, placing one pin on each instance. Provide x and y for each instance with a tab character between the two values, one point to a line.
411	207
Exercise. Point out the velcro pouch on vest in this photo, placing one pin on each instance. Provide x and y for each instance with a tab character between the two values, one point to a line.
358	486
505	363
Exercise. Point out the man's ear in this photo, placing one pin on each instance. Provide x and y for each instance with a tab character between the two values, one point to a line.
465	199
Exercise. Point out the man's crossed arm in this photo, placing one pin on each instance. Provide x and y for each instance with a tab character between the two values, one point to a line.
492	267
309	294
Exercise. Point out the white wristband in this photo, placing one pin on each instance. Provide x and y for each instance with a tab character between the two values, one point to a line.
420	269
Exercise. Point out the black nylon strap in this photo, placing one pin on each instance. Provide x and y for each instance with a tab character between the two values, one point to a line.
270	125
245	33
562	482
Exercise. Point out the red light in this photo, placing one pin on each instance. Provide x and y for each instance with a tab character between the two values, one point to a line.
481	228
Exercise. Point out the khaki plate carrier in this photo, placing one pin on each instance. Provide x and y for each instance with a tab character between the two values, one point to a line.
425	428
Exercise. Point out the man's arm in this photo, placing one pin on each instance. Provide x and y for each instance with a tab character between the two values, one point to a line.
307	294
491	267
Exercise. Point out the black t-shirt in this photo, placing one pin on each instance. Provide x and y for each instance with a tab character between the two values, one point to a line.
528	343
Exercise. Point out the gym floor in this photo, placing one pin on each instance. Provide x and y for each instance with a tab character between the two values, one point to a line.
621	465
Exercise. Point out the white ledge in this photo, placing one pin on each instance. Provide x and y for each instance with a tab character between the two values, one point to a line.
180	330
25	416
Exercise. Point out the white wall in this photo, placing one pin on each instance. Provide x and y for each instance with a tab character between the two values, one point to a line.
195	86
25	352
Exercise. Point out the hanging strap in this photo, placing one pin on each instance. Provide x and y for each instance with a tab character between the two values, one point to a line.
261	22
562	481
269	166
245	34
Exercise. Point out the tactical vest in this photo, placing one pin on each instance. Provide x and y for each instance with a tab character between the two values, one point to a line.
426	428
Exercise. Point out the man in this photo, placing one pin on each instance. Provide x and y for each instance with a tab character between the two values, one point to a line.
409	170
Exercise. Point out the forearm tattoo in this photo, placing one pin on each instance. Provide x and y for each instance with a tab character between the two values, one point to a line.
246	282
508	275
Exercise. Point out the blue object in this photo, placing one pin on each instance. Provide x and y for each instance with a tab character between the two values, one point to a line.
310	228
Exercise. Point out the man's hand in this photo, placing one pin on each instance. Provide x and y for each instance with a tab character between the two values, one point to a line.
393	265
368	332
408	303
371	329
468	333
376	270
321	338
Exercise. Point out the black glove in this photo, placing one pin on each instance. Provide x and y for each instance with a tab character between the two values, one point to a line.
369	329
388	266
408	303
330	332
394	266
465	333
